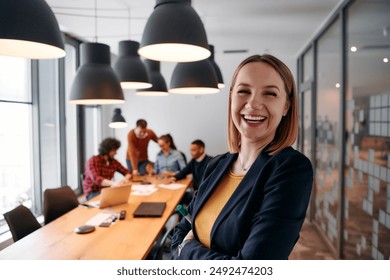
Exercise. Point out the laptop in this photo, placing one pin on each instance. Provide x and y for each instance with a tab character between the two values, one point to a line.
149	209
114	196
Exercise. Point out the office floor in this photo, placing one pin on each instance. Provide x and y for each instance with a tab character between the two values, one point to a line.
310	246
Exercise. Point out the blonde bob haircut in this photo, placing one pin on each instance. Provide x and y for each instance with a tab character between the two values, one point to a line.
287	131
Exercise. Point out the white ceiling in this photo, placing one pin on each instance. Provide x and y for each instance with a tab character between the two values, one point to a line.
280	27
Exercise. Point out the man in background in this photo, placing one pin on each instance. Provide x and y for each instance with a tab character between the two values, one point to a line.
196	167
137	148
100	169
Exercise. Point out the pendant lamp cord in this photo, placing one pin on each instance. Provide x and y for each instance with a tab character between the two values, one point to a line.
129	22
96	31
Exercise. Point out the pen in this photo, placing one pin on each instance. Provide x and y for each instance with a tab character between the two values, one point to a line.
184	212
85	205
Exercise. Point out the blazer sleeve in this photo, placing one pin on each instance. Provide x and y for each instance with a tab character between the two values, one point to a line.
276	224
181	230
183	227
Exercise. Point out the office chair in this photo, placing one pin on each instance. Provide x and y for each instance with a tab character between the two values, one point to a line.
57	202
21	222
163	243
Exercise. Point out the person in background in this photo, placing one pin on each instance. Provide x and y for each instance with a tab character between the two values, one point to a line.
195	167
173	146
137	147
168	160
252	201
100	169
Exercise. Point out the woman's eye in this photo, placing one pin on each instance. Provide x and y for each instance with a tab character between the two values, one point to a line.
270	93
243	92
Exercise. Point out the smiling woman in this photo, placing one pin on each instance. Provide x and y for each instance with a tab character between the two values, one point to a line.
252	201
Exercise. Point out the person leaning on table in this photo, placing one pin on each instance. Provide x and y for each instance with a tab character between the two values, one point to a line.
252	201
100	169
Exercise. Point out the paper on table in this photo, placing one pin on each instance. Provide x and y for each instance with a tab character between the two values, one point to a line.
172	186
143	189
98	219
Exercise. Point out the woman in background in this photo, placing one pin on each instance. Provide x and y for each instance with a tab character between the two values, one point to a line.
168	160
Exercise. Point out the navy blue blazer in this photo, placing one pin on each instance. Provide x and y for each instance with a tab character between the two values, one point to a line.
263	217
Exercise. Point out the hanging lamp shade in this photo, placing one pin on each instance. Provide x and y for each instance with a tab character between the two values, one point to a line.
216	68
174	32
118	121
159	87
29	29
196	77
95	82
129	68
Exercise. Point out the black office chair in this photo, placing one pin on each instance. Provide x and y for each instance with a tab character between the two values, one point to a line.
21	222
57	202
162	247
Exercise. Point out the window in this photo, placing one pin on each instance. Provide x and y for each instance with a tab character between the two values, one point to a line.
49	124
16	174
327	175
367	173
71	113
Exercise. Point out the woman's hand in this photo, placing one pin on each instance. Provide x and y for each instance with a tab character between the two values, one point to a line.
189	236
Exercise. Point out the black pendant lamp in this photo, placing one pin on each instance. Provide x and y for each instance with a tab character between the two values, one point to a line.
174	32
29	29
159	87
96	82
118	121
216	68
197	77
131	71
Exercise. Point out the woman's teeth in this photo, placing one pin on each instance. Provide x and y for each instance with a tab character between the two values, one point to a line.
254	118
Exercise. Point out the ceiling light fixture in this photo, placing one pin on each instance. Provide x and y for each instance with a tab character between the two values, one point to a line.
159	87
353	49
216	68
118	121
174	32
385	60
196	77
131	71
29	29
96	82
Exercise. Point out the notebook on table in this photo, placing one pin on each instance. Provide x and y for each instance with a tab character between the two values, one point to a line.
113	196
150	209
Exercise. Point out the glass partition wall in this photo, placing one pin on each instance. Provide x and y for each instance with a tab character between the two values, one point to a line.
347	109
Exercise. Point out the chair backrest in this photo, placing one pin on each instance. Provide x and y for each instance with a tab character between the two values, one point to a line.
21	222
162	242
57	202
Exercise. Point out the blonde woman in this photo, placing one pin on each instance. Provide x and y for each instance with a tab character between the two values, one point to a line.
252	201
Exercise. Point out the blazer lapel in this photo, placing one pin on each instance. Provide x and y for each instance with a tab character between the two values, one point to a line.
215	177
245	186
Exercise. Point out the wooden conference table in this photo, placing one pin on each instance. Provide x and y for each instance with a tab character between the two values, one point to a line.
131	238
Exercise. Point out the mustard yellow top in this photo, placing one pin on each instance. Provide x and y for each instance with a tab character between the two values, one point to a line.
206	217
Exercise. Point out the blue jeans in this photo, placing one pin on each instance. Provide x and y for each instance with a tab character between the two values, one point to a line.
92	195
141	166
